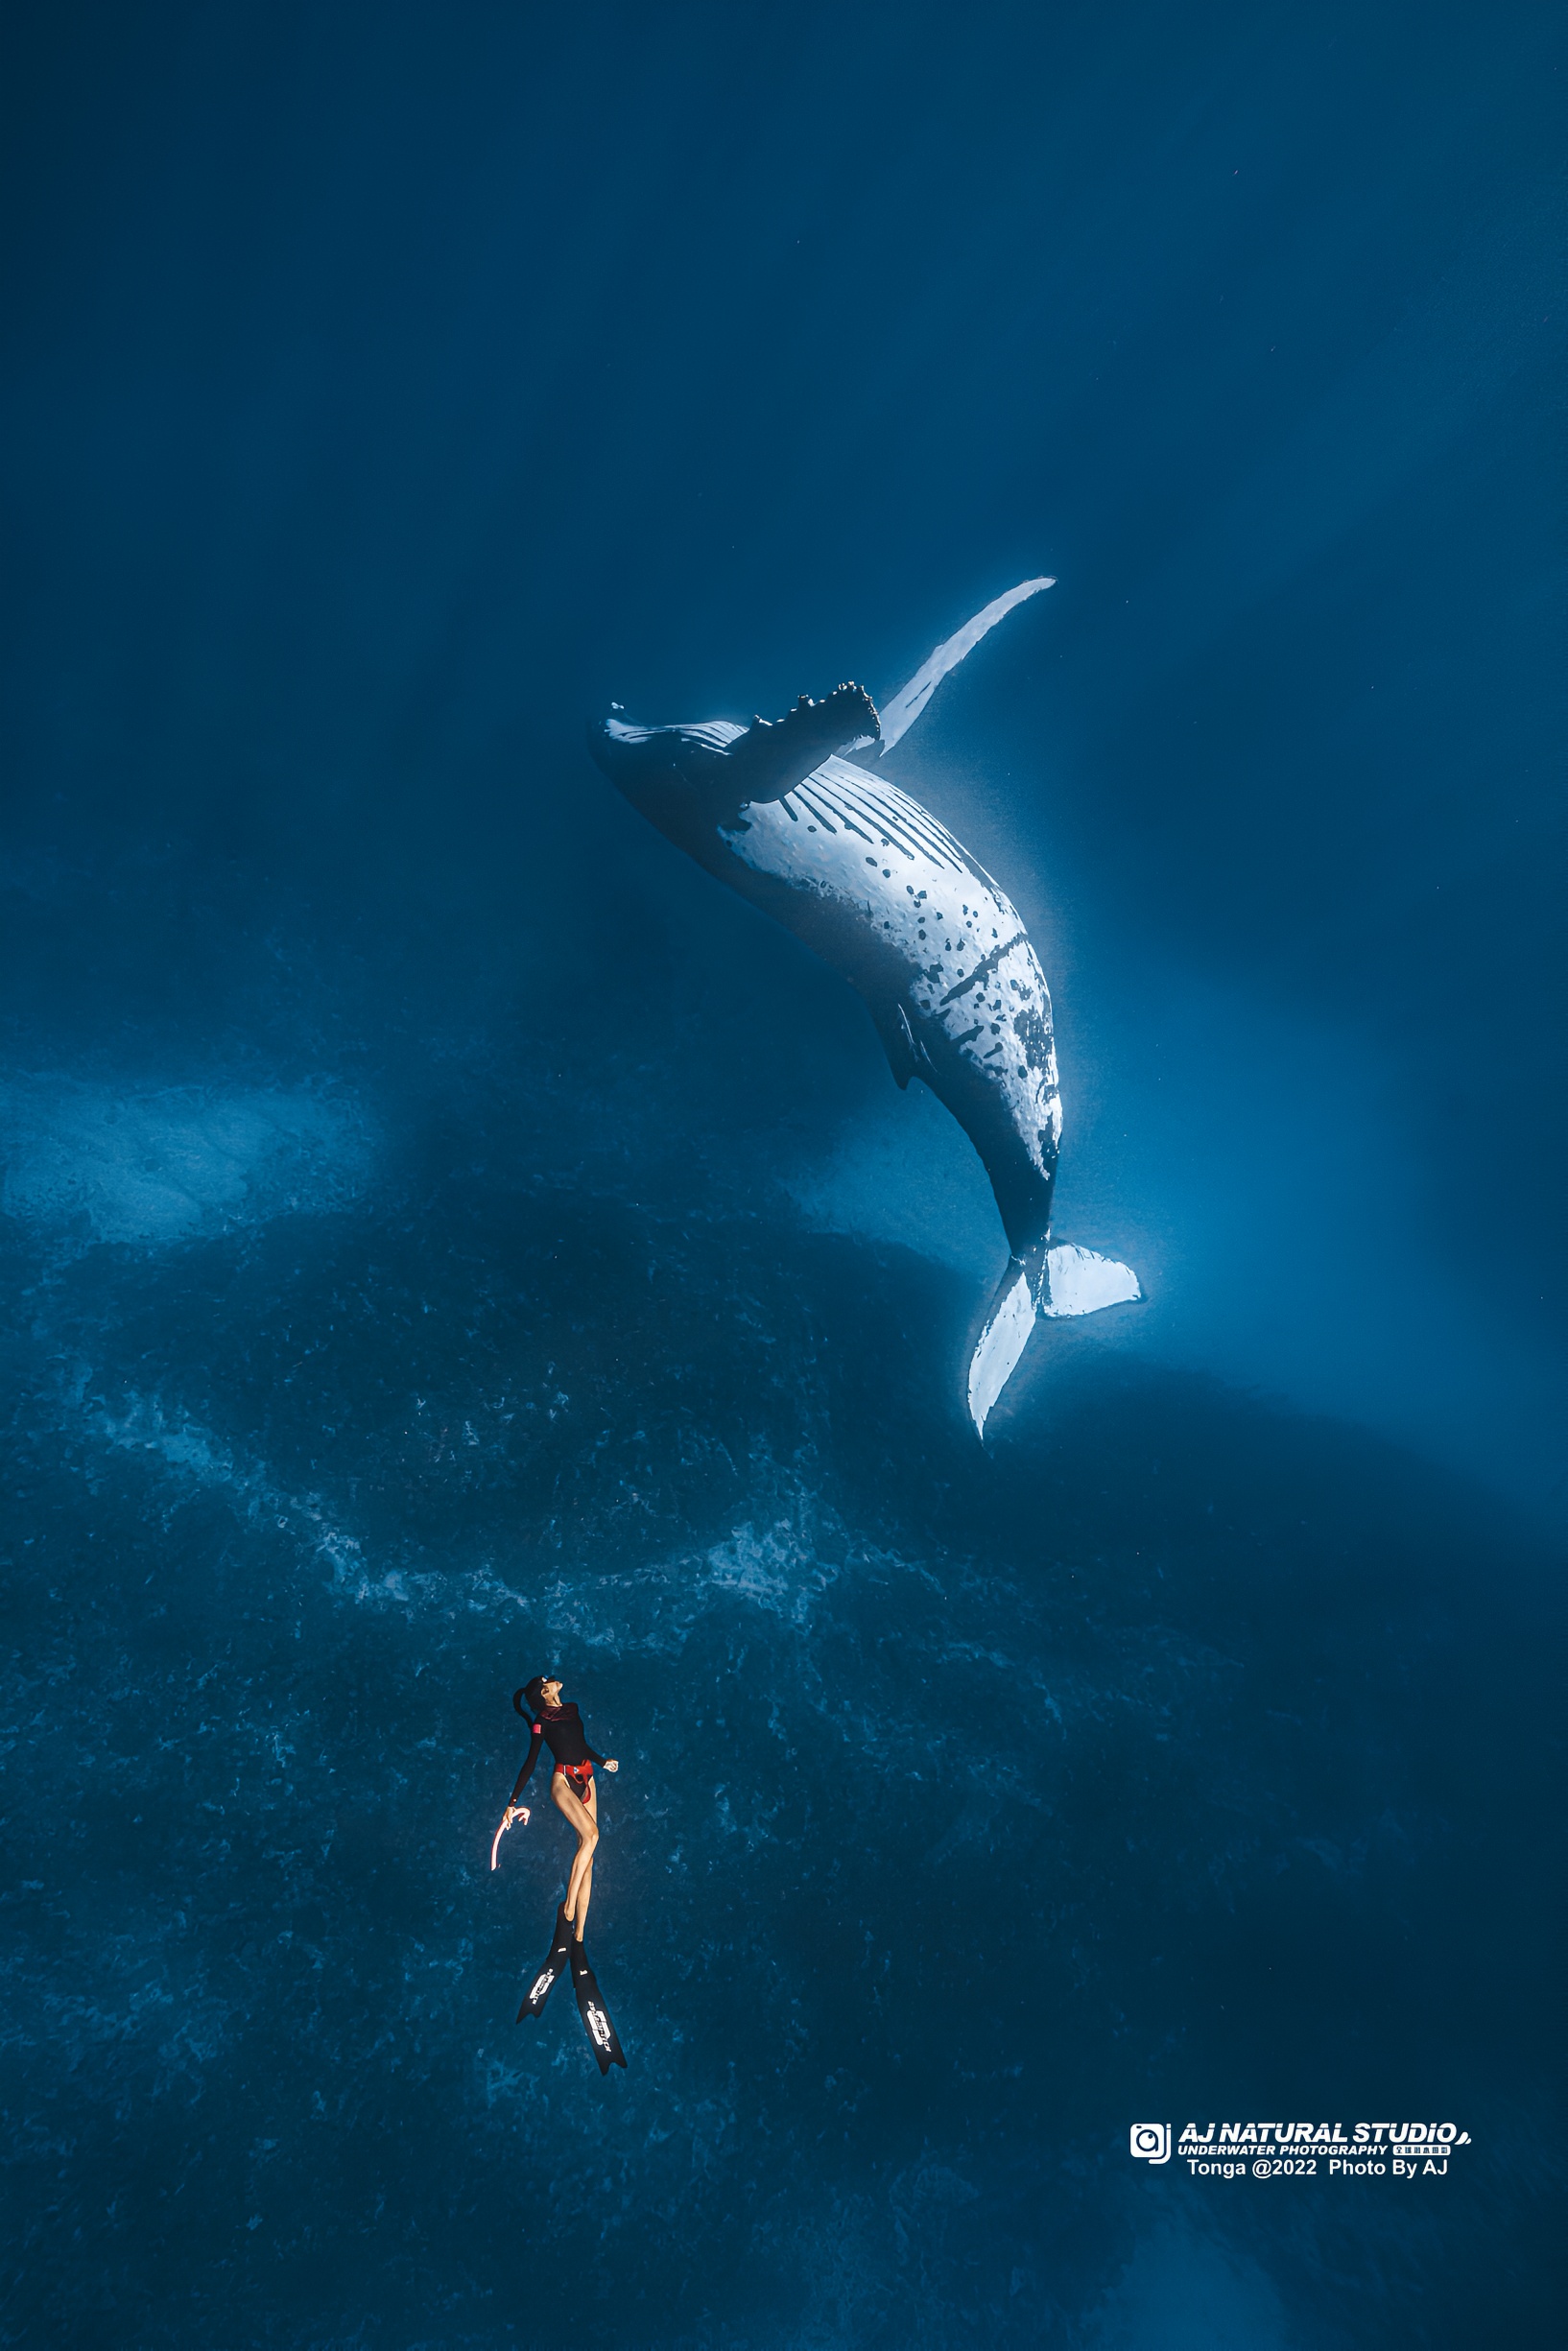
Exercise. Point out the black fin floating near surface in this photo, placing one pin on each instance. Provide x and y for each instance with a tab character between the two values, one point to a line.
596	2024
555	1965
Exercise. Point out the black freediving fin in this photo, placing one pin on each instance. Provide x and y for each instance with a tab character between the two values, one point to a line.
596	2024
555	1966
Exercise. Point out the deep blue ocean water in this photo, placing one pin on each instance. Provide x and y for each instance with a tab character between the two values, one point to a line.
445	1236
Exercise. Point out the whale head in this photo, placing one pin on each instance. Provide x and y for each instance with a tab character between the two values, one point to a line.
772	757
693	773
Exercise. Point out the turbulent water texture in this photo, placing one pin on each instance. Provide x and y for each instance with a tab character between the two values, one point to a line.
87	1163
969	1809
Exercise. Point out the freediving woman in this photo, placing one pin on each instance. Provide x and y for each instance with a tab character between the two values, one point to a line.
559	1726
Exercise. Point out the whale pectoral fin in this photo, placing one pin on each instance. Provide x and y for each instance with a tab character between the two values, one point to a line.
899	715
894	1036
1003	1337
907	1055
1080	1282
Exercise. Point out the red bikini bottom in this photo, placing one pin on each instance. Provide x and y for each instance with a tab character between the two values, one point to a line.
579	1778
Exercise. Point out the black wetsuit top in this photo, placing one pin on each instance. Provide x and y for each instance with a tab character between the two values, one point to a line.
563	1729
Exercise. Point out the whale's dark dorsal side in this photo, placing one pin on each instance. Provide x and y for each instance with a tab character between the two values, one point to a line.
880	889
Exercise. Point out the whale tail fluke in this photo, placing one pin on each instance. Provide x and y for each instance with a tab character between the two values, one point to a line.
1003	1337
1050	1285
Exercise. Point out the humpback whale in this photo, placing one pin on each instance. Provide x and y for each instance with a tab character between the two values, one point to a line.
798	816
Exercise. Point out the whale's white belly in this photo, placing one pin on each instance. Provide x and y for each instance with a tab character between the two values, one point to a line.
857	840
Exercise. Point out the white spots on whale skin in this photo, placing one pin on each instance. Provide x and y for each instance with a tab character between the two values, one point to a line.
152	1166
934	909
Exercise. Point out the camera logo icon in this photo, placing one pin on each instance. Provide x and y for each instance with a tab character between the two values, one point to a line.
1151	2142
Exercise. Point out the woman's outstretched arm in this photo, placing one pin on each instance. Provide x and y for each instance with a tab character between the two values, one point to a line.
528	1760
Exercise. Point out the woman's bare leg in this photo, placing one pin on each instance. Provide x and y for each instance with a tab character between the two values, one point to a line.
582	1818
585	1883
583	1868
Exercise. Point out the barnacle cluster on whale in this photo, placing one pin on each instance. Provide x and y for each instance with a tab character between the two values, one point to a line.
798	816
